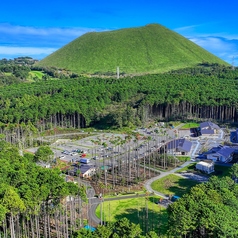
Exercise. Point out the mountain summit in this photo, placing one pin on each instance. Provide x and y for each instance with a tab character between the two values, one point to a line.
149	49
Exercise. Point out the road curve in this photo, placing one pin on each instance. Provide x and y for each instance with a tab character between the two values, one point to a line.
148	183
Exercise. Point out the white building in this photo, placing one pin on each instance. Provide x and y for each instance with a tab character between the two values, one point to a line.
205	166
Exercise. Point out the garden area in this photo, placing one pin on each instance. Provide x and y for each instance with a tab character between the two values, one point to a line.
190	125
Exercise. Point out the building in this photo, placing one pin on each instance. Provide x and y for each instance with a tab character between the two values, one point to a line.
179	146
220	154
209	128
234	136
206	166
87	171
205	128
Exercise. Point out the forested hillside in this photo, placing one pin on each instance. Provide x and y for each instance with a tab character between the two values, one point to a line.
149	49
203	92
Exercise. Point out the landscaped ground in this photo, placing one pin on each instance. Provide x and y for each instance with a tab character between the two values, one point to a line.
135	210
188	168
190	125
173	185
37	74
221	171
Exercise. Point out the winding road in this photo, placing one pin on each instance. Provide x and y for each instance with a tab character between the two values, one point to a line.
94	202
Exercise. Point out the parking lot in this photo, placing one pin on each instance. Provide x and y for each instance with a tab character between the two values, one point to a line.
102	145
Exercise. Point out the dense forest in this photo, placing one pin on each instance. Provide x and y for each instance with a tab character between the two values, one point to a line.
206	91
34	201
208	210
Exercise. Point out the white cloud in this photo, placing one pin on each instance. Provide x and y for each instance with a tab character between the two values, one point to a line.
208	29
37	31
222	44
213	43
223	48
186	28
8	50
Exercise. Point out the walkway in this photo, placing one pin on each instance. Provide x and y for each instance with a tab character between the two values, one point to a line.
163	174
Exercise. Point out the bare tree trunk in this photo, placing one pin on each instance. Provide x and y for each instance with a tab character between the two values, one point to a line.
12	228
45	221
32	227
48	221
66	220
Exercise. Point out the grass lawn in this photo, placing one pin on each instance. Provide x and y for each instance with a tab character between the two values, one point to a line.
221	171
134	210
173	184
37	74
124	194
183	158
190	125
189	168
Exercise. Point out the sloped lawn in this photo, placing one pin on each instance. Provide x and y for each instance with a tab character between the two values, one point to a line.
135	210
173	185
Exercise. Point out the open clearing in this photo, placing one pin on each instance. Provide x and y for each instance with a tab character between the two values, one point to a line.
173	185
135	210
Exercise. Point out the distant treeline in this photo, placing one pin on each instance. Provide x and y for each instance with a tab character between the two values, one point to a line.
18	70
80	102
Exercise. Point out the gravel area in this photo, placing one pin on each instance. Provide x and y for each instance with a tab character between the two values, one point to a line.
199	178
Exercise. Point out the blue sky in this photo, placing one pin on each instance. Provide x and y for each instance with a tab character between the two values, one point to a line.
38	28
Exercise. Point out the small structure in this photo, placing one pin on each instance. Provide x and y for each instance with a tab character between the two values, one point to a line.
88	227
87	171
179	146
44	165
208	128
206	166
234	136
174	198
69	178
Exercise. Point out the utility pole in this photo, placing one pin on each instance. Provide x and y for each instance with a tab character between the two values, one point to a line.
233	63
118	73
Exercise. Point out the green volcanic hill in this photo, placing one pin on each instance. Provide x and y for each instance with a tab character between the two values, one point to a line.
149	49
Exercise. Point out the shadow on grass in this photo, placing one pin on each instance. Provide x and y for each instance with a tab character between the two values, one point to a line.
154	221
182	186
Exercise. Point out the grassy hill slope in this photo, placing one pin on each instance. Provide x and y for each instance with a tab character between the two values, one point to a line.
149	49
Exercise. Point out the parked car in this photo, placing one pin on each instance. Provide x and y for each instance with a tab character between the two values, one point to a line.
73	153
66	152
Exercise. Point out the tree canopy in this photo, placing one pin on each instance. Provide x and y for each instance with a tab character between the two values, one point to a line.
208	210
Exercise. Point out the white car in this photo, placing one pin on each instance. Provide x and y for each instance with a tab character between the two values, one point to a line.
73	153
